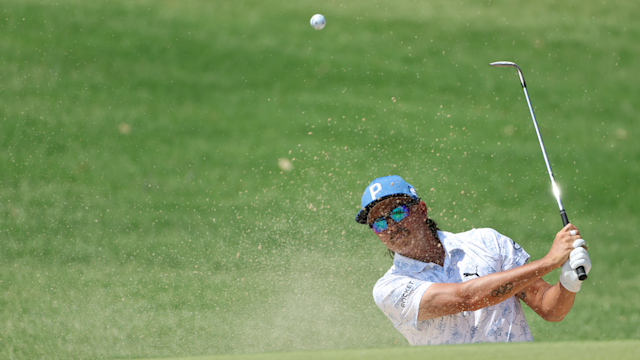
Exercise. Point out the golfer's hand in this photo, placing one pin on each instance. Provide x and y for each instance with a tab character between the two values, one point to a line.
578	257
562	245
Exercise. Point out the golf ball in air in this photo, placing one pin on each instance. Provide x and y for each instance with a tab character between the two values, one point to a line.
318	21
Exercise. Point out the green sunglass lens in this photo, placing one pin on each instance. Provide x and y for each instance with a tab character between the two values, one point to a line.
399	213
379	225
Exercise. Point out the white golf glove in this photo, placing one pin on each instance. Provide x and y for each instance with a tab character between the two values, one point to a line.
578	257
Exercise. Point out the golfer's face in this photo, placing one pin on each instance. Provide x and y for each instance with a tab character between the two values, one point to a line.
398	235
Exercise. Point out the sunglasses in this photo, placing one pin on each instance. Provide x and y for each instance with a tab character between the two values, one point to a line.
398	214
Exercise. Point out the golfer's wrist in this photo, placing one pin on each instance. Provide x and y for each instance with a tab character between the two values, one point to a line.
547	264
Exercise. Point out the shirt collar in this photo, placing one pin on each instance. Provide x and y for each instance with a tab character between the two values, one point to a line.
406	264
450	243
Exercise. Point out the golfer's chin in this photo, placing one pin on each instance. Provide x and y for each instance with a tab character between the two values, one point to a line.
400	242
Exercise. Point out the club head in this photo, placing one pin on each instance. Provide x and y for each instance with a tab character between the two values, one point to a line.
503	64
508	64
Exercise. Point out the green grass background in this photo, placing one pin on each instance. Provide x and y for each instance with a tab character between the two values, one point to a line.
143	212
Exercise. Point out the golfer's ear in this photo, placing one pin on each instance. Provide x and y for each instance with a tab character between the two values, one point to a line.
423	208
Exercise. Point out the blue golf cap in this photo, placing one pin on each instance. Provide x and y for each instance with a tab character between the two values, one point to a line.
380	189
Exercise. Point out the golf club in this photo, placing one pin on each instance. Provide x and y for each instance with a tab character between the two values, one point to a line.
582	275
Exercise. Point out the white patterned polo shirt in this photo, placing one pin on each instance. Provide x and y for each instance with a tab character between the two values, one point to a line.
477	252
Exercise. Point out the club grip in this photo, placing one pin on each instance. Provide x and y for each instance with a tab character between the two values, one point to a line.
582	275
565	219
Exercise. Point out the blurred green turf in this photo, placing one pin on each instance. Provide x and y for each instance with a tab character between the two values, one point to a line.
142	207
619	350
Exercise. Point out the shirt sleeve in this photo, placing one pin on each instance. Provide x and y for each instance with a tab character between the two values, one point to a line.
511	254
399	299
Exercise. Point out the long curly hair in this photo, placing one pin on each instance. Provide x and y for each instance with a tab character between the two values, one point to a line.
433	226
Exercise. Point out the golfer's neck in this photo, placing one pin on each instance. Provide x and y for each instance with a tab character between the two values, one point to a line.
429	251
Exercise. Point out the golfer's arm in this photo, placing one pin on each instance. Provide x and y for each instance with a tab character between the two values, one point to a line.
451	298
551	302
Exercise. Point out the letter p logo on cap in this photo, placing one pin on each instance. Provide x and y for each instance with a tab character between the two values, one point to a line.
374	189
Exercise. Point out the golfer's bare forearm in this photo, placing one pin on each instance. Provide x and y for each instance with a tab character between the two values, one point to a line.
495	288
446	299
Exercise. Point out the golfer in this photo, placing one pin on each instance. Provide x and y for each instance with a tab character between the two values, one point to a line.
446	288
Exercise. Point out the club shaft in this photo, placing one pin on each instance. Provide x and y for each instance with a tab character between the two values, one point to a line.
544	151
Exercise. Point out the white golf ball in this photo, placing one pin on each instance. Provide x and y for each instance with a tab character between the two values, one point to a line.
318	21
